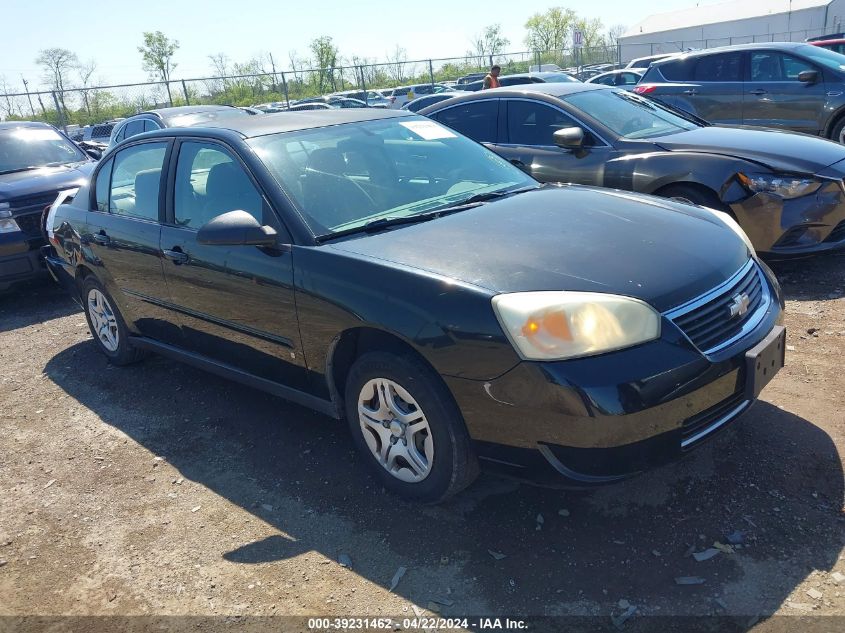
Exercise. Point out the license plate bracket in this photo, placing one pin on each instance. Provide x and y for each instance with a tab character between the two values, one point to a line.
763	361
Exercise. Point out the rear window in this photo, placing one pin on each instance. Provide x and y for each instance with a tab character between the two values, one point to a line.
674	71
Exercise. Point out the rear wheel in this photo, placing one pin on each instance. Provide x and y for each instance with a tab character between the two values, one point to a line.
106	324
405	424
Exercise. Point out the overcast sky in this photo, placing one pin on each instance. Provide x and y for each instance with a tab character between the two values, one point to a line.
111	32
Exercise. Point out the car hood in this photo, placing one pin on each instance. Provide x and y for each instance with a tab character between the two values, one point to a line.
570	237
777	149
23	184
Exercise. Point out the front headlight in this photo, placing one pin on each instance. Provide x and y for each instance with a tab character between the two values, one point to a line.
555	325
785	186
7	224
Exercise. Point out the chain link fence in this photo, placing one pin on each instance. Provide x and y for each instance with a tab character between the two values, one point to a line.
77	107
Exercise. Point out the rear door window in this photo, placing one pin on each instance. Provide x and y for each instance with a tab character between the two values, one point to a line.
675	71
724	67
477	120
136	181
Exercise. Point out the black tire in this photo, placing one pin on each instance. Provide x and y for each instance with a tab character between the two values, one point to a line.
124	353
454	465
694	195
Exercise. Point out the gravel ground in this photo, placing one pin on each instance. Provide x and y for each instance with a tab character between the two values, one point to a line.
157	489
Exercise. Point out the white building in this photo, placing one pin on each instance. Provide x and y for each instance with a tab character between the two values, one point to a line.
734	22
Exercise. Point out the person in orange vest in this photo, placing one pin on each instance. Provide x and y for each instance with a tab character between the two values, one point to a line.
492	79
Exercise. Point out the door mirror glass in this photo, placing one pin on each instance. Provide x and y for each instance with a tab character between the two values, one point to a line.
236	228
569	138
808	76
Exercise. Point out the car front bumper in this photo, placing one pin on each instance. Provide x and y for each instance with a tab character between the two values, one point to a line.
801	226
604	418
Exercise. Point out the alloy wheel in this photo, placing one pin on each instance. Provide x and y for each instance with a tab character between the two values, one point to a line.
103	320
396	430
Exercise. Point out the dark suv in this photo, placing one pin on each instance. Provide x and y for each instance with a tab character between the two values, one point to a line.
781	85
36	161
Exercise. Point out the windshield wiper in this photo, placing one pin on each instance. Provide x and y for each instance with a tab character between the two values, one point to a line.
380	224
479	198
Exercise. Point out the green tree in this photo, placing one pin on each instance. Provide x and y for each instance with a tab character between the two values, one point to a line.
490	42
550	31
325	56
157	53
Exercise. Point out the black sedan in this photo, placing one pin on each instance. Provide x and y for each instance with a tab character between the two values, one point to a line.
784	189
377	266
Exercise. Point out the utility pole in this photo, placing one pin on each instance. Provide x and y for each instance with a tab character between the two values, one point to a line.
275	87
28	97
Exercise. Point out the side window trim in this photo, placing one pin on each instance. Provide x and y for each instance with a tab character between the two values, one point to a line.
111	160
598	137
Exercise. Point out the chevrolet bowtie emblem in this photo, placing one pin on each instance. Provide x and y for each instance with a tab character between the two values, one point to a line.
739	305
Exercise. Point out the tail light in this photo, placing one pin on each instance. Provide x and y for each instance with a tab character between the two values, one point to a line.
645	89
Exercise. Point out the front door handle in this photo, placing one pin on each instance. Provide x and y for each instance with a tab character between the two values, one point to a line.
758	92
176	256
692	92
102	238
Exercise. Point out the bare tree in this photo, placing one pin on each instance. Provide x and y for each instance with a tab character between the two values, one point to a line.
396	63
220	70
157	54
8	106
297	64
57	64
86	70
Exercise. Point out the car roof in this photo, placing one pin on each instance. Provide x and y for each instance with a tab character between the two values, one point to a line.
11	125
170	113
826	42
557	89
252	126
727	49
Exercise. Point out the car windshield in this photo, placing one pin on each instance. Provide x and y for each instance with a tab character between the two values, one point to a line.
345	176
628	115
33	147
823	56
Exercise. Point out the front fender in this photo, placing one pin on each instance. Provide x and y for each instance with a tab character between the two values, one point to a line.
652	171
450	323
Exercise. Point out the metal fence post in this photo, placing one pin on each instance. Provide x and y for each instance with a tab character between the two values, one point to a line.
185	90
59	113
285	87
431	71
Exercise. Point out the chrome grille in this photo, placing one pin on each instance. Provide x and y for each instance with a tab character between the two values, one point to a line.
708	321
32	203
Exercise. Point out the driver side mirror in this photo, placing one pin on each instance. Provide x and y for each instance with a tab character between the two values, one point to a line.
96	154
569	138
236	228
808	76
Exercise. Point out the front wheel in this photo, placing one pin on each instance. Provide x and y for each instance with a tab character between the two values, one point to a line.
404	422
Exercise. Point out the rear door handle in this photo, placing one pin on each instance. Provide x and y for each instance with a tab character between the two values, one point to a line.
691	92
102	238
176	256
758	91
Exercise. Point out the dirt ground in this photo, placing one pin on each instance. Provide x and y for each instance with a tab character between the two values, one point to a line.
157	489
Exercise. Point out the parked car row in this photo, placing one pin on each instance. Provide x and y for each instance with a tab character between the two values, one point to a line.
331	257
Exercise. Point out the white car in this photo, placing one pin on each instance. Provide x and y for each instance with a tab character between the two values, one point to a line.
401	95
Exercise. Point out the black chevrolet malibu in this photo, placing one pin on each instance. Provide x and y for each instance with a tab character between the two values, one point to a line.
784	188
379	267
